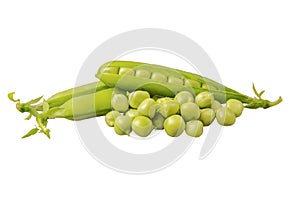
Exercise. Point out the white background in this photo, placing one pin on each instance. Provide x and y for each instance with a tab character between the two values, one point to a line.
43	45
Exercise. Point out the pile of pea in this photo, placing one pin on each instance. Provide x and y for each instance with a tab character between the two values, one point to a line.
141	114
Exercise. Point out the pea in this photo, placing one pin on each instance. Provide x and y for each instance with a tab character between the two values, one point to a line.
110	117
168	108
184	97
147	108
192	83
175	80
235	106
119	103
163	99
207	116
132	113
158	121
215	105
189	111
126	71
174	125
159	77
204	99
137	97
194	128
142	73
122	125
142	126
225	116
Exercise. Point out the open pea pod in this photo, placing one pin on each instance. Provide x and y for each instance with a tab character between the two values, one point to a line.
164	81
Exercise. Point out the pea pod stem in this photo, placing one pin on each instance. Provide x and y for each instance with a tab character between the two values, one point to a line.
74	108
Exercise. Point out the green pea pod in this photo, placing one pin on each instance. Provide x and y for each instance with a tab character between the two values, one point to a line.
164	81
74	108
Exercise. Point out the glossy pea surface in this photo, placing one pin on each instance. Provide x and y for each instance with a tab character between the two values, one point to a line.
142	126
204	99
184	97
207	116
174	125
147	108
137	97
110	117
225	116
189	111
122	125
235	106
119	102
194	128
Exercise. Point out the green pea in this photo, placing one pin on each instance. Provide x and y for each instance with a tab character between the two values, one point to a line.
204	99
175	80
142	126
163	99
168	108
119	103
132	113
184	97
215	105
126	71
142	73
123	125
110	117
147	108
235	106
189	111
174	125
159	77
136	98
192	83
194	128
158	121
225	116
207	116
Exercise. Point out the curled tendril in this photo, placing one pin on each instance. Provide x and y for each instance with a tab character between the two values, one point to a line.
41	117
258	101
